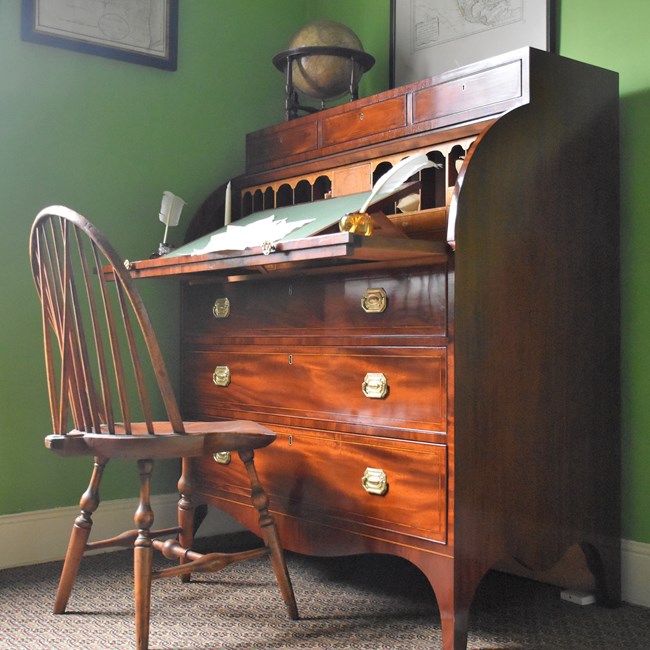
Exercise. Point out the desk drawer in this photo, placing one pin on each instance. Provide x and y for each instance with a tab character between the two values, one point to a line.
415	304
363	122
319	386
282	141
319	475
471	94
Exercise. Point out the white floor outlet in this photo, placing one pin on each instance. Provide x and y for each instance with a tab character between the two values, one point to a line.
578	597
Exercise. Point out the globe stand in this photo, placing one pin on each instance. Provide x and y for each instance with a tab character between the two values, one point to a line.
361	62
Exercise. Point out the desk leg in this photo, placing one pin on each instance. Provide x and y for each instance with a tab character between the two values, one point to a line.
454	591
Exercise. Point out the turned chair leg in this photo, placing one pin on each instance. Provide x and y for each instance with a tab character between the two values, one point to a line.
270	534
79	538
186	512
143	557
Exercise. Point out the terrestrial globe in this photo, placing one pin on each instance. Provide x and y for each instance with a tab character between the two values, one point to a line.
326	76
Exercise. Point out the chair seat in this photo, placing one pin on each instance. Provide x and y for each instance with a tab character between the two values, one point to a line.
200	438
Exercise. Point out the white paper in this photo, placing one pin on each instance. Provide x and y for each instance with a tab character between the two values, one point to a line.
238	238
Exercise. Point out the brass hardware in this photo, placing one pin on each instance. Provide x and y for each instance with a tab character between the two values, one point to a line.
221	308
222	457
374	301
357	222
221	376
375	481
375	385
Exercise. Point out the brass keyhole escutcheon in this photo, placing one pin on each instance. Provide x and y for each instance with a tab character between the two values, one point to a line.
221	376
221	308
375	385
374	301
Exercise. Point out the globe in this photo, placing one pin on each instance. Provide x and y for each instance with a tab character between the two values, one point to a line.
324	76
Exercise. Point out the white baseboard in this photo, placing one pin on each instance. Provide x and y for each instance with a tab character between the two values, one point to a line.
635	572
42	536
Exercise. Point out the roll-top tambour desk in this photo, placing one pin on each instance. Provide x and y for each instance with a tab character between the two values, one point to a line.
447	392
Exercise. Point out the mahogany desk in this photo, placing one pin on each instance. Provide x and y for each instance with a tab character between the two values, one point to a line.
450	397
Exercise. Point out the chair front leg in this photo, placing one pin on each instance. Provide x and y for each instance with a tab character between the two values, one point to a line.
143	556
270	534
186	512
79	537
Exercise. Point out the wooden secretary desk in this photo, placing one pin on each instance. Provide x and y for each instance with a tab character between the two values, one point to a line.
447	392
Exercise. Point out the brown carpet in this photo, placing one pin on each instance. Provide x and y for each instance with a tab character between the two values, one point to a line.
368	602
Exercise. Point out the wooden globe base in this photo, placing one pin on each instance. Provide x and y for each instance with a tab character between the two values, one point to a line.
361	62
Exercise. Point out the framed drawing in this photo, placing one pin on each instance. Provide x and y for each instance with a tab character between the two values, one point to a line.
139	31
431	36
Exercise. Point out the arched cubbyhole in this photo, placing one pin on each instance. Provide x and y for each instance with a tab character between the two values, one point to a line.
456	157
433	191
246	204
258	201
302	193
284	196
269	198
380	170
322	188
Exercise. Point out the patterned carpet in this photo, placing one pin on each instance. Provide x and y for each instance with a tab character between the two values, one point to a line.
369	602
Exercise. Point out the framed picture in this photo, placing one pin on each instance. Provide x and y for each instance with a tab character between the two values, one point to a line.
138	31
432	36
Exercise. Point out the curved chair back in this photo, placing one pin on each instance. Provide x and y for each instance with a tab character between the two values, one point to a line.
97	334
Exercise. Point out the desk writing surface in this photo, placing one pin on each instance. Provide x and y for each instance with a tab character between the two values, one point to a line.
306	246
319	250
320	214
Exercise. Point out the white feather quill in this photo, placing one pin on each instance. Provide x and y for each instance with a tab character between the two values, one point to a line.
170	211
393	179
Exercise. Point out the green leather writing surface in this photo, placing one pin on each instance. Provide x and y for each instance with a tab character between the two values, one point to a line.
321	215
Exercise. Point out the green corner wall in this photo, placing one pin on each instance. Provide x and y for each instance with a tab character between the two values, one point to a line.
107	137
616	37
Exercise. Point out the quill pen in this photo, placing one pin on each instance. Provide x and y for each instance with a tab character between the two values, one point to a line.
391	181
170	211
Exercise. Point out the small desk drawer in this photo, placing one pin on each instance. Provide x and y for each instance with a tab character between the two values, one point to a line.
319	475
470	93
413	304
363	122
286	139
349	388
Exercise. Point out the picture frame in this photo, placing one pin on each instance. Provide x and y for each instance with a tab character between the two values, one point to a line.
148	35
429	37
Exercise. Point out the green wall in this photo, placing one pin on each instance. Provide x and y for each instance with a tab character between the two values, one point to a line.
107	137
615	37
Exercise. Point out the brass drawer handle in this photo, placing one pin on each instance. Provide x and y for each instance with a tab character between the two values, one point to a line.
375	385
221	308
222	457
221	376
375	481
374	301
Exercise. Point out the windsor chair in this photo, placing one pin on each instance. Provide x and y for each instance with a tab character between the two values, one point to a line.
99	342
